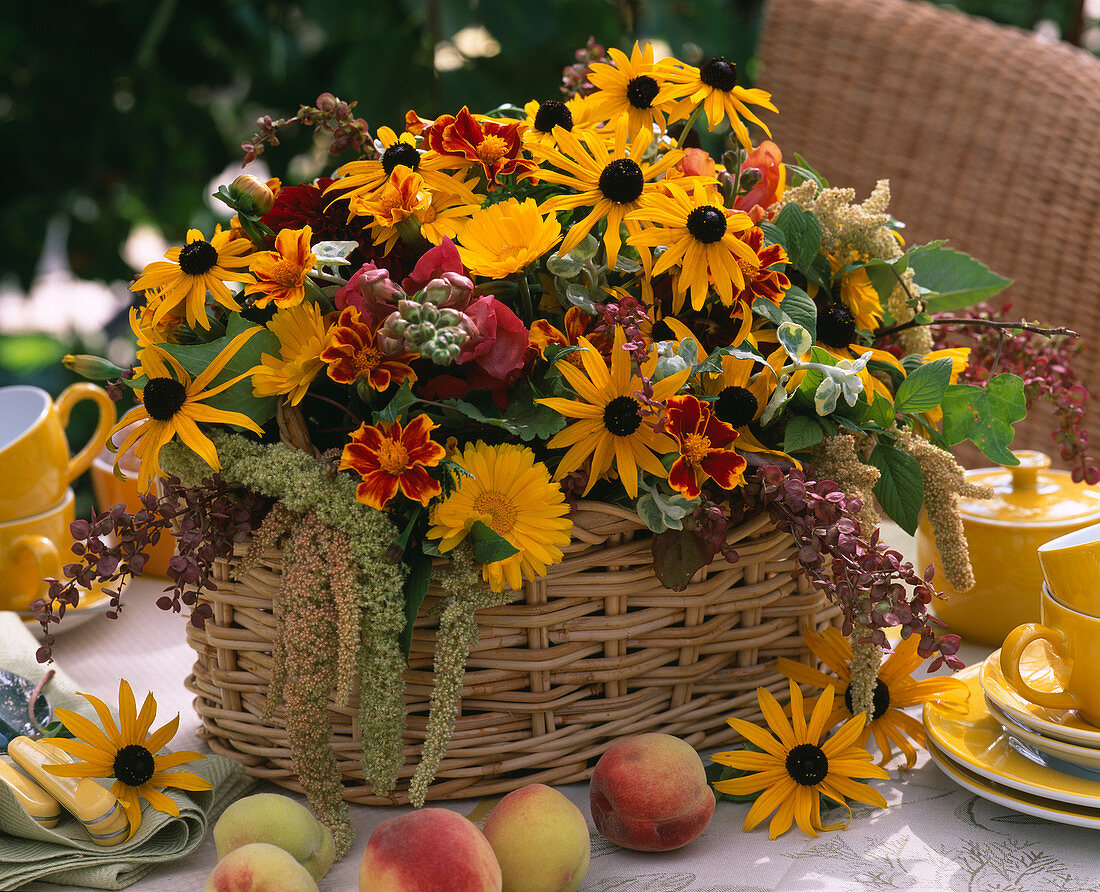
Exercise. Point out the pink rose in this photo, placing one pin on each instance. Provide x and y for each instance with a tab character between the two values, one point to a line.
501	344
443	258
371	291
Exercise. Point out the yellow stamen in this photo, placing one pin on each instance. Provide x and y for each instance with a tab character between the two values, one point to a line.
502	513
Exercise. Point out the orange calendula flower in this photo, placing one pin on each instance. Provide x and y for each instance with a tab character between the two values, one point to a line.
352	353
507	237
390	457
705	451
495	147
281	274
188	273
894	690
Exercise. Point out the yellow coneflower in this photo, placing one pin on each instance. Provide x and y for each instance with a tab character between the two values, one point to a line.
190	272
630	90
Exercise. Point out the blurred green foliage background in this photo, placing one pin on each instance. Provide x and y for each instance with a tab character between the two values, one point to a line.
115	113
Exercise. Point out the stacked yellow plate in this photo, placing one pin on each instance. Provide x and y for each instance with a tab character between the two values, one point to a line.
1037	761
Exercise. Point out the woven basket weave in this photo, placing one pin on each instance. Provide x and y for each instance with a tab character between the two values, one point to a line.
598	651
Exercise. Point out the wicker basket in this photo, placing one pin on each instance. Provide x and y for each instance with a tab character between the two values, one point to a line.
597	651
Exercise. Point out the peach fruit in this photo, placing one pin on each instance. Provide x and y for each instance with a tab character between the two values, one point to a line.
280	821
430	850
259	867
540	839
650	793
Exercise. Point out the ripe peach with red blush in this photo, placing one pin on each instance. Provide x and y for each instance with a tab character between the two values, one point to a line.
650	793
429	850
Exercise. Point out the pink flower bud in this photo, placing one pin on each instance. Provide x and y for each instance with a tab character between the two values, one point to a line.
371	290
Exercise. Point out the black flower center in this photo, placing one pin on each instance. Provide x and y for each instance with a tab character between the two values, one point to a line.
400	154
621	416
134	765
197	258
836	326
706	224
621	181
661	331
641	91
881	699
163	398
719	73
736	406
807	764
553	114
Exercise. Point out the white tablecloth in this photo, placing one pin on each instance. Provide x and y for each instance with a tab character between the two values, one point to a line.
933	836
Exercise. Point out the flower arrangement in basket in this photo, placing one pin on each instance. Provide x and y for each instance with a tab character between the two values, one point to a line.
422	373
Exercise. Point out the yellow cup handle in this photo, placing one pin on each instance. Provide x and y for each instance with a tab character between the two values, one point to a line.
1013	649
44	553
69	397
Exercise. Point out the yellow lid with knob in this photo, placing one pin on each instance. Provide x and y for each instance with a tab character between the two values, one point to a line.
1031	493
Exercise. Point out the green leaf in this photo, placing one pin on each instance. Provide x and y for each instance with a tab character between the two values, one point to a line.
769	310
555	352
985	415
195	358
900	487
923	389
802	232
956	279
716	772
397	405
415	588
802	432
677	556
488	545
773	234
529	420
800	309
795	339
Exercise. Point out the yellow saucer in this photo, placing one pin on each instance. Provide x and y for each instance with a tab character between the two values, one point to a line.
976	741
1060	724
1081	756
1062	813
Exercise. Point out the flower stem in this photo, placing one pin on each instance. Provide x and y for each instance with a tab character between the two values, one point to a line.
688	127
527	308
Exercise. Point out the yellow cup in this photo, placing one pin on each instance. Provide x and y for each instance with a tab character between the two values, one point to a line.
35	465
1073	639
1071	568
32	548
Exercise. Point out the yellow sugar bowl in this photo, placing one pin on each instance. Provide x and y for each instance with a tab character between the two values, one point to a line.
1032	503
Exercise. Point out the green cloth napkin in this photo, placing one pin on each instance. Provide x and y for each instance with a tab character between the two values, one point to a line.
66	854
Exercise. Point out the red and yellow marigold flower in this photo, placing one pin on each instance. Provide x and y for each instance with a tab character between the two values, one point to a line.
389	457
494	147
188	273
705	451
281	274
352	353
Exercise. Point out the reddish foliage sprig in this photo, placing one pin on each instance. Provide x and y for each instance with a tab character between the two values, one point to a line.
874	586
113	548
1046	367
574	78
330	115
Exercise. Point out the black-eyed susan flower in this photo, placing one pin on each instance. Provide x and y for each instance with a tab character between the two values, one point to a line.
631	89
836	334
543	117
895	689
507	237
188	273
611	426
701	235
507	490
172	404
858	295
301	331
714	86
363	178
609	180
128	753
391	457
796	768
281	274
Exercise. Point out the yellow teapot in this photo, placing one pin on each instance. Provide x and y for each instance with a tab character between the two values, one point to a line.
1032	503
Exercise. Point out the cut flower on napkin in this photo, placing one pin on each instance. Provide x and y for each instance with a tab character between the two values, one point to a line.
128	753
794	769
